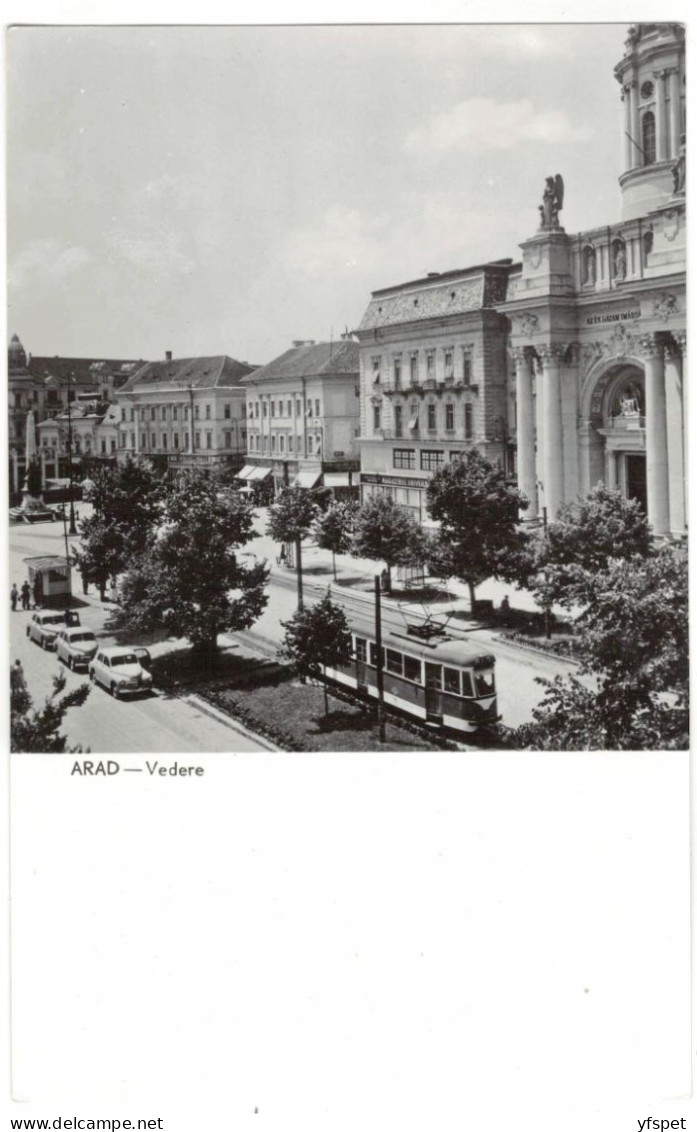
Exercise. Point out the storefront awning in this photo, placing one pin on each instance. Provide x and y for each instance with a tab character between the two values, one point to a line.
306	479
245	473
336	479
259	473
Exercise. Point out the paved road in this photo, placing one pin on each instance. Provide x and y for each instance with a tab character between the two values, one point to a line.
153	723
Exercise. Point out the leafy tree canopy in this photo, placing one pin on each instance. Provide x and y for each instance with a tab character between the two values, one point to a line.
316	639
478	515
190	580
633	640
585	538
291	515
387	532
126	507
37	730
333	528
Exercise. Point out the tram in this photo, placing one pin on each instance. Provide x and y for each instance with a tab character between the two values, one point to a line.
445	682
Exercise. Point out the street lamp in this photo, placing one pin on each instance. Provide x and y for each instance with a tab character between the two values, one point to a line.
73	529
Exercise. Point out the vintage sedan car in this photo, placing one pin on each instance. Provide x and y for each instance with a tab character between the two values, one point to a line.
44	628
76	646
121	670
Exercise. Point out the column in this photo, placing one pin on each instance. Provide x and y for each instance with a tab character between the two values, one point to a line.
674	433
610	469
656	435
525	430
659	83
553	468
635	160
626	131
674	111
681	343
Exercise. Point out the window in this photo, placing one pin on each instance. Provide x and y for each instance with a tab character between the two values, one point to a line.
273	443
398	373
467	369
289	406
484	684
186	440
468	422
290	443
132	415
430	365
227	439
377	416
648	246
398	421
414	369
273	408
263	408
175	440
164	439
309	444
196	412
197	440
186	412
448	363
282	443
226	412
256	409
449	416
153	440
648	134
431	414
298	409
376	370
152	413
451	680
467	689
374	655
209	440
431	460
133	440
404	458
164	412
412	669
317	412
143	440
122	443
174	412
123	414
394	662
361	650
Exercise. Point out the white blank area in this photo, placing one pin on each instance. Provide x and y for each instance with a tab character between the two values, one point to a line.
353	934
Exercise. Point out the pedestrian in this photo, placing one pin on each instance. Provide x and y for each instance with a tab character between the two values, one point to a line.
17	680
282	556
26	594
506	609
38	592
14	596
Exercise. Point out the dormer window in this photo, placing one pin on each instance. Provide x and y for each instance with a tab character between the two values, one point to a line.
376	370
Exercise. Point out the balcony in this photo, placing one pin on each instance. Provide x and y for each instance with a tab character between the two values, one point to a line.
426	385
633	423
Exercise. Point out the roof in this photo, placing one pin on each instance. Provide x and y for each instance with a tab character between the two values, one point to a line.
219	371
321	359
438	295
84	371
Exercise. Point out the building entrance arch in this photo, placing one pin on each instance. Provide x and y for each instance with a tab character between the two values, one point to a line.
615	430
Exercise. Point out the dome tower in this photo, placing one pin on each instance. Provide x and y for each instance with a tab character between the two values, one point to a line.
652	77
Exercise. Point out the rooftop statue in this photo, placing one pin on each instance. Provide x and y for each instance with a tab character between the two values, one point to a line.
552	204
678	169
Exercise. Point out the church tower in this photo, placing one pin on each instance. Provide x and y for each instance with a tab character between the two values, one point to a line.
652	77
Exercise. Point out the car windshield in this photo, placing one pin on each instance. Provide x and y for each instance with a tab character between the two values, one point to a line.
124	658
56	619
83	637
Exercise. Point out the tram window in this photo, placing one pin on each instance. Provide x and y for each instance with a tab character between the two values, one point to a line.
484	685
451	680
361	649
467	689
394	662
412	669
374	655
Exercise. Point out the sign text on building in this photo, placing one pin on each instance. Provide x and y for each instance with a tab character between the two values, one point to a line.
614	316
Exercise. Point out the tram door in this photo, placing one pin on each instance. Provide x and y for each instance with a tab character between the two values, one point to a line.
434	691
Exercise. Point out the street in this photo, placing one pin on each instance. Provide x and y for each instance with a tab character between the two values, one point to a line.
161	722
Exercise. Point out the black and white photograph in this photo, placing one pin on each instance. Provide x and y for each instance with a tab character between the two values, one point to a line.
347	427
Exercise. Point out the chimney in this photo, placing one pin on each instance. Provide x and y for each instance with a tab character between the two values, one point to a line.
168	355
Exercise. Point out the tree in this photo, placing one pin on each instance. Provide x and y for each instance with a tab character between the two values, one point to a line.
316	639
586	536
478	515
126	507
333	529
386	532
189	580
36	731
634	649
290	520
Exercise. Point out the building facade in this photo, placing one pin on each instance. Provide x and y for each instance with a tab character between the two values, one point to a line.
184	413
570	366
303	417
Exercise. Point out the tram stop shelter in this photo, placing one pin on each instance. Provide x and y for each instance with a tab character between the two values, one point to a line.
54	575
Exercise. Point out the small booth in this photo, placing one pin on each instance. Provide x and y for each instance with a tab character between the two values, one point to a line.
49	577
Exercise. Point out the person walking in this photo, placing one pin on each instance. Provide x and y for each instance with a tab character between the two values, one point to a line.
14	596
17	680
38	592
26	594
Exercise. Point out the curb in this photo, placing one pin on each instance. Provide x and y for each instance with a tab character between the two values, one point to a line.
549	653
227	720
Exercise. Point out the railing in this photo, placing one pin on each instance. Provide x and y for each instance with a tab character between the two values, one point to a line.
625	424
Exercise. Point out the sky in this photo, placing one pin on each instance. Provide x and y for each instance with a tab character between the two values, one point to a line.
213	190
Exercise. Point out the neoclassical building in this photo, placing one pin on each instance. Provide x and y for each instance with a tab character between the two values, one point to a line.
570	365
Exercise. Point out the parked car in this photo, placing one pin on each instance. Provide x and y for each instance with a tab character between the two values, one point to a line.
44	628
76	647
121	670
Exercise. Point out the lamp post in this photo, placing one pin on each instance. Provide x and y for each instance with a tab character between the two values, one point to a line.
73	529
